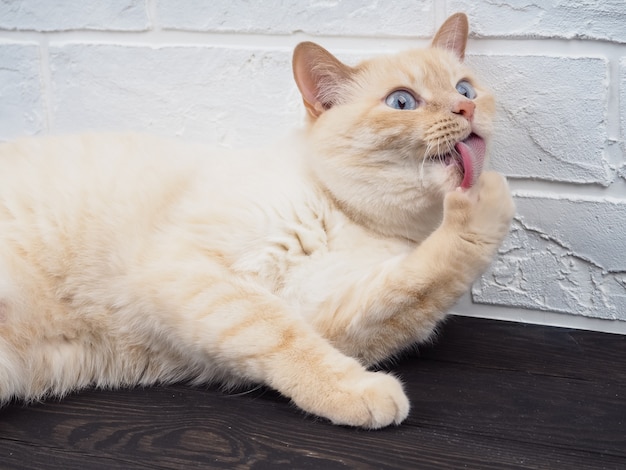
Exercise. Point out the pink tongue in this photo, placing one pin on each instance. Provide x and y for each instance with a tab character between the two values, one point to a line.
472	151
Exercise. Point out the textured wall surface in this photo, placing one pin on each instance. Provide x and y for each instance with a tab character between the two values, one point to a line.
220	71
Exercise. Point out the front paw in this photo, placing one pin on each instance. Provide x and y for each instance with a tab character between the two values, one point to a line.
375	401
483	214
370	400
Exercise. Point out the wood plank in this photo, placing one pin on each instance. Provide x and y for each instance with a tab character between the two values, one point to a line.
127	428
485	395
534	349
542	411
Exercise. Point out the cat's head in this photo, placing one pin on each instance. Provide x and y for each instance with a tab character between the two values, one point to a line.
392	135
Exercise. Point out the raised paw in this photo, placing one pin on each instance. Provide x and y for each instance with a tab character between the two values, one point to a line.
483	214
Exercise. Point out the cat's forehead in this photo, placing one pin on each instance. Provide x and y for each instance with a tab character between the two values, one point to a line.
429	70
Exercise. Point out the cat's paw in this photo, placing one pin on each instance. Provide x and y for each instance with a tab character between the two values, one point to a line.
371	400
375	401
482	215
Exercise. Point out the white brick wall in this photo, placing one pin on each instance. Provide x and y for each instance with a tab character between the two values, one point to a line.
220	71
343	18
21	100
68	15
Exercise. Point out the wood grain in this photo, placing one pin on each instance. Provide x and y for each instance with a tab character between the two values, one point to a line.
486	395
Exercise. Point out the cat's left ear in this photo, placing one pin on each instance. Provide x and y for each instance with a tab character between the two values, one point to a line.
319	76
452	35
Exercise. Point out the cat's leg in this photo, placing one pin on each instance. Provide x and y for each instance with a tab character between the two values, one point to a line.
239	329
43	347
21	330
400	304
11	367
14	335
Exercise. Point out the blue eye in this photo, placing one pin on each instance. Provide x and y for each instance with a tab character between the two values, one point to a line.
466	89
401	99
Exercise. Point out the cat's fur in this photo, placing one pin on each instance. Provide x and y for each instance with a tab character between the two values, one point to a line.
128	259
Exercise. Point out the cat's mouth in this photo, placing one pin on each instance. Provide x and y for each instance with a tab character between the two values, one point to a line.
468	156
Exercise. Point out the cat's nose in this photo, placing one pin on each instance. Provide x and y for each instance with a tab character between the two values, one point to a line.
465	108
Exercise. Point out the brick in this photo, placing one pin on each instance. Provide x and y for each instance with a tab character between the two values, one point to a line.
224	95
551	118
63	15
347	17
21	106
563	255
546	19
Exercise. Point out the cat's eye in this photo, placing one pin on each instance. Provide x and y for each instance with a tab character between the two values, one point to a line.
401	99
466	89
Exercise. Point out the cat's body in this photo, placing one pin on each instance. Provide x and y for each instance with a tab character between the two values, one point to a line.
128	259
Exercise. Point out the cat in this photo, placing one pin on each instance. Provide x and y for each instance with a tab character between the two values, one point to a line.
132	260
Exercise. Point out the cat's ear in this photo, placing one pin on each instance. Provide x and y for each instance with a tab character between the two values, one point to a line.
319	76
452	35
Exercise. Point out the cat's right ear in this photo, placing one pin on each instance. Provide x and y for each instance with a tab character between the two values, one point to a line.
452	35
319	76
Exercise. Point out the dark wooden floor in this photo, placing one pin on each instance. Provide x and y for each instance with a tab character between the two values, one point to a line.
487	394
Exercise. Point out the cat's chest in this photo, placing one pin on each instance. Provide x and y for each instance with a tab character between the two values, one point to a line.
273	250
305	258
272	224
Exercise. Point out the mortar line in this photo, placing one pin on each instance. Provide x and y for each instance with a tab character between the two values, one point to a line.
151	12
156	36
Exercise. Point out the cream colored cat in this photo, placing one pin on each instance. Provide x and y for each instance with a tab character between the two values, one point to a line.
128	259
